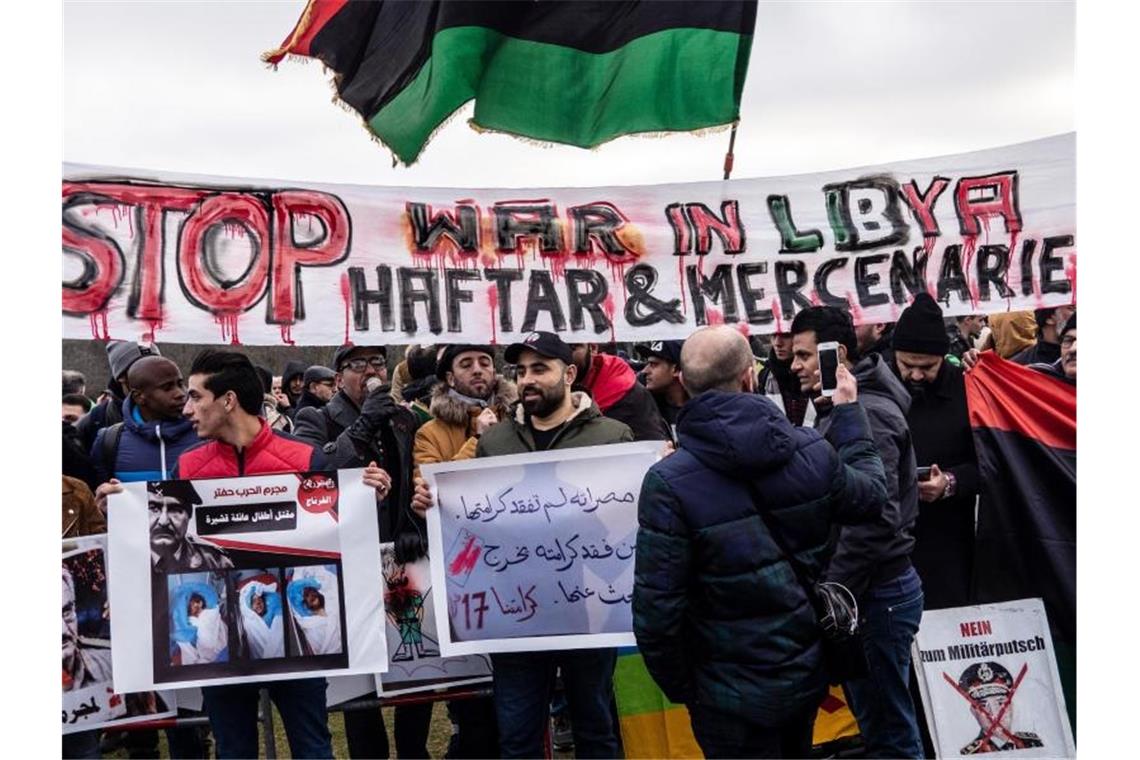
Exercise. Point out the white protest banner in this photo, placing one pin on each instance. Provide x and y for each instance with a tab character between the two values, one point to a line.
89	698
535	551
202	259
414	662
233	580
989	681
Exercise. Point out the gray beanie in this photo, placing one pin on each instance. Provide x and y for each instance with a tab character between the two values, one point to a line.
121	354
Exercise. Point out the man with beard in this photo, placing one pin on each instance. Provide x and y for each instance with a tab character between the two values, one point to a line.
549	416
82	665
1047	349
873	559
780	384
613	386
943	441
469	400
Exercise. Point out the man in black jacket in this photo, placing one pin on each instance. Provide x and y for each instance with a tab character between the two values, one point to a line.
943	441
362	424
1047	349
613	386
873	559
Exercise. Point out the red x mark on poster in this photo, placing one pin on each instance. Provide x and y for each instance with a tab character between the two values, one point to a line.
995	722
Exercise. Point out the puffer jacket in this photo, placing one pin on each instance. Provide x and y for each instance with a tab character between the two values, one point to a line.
718	613
146	450
585	427
876	552
450	435
269	453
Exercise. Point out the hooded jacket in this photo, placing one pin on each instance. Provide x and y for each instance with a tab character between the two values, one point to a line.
873	553
613	386
292	369
585	427
719	615
146	450
450	434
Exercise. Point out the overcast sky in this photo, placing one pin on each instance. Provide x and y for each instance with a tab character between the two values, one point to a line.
179	86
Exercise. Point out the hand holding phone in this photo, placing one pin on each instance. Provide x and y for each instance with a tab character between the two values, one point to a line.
923	474
828	353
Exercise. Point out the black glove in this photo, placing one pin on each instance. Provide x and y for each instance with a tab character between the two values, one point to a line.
410	546
378	407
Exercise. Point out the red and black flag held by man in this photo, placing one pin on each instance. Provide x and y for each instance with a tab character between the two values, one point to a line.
1025	434
578	73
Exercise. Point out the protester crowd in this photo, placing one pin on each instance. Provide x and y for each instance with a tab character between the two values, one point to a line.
766	488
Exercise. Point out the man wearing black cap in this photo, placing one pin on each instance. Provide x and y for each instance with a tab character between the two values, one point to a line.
361	423
549	416
613	386
468	399
943	442
663	378
319	387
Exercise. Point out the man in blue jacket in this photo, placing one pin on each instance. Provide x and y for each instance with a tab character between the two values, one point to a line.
722	622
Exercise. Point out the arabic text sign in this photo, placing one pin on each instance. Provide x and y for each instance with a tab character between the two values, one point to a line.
89	698
535	551
259	263
256	578
989	681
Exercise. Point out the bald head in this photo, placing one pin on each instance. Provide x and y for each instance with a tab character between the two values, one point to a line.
715	359
157	388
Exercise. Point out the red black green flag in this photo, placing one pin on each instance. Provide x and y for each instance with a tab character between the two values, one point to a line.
578	73
1025	435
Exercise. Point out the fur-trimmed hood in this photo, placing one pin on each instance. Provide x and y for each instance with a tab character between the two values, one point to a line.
452	411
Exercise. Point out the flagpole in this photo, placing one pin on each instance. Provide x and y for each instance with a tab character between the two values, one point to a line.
729	156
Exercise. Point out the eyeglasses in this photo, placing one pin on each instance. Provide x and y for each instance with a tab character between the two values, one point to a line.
359	365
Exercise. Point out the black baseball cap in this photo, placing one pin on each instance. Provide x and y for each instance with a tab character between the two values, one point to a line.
542	343
669	350
451	352
343	353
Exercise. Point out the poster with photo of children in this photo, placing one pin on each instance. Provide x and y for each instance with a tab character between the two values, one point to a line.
256	578
89	697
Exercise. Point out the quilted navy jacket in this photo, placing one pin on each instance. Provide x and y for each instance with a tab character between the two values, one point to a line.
717	611
146	450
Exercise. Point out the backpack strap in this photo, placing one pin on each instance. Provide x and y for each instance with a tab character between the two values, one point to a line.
109	452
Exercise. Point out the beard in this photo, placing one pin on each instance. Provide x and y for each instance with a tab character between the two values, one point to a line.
544	401
471	392
917	391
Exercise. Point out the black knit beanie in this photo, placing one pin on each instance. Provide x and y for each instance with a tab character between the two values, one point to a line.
920	329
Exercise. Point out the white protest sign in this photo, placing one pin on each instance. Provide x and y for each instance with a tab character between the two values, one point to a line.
989	681
233	580
205	259
414	662
89	697
535	551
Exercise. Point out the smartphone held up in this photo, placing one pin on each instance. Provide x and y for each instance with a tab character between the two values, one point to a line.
828	364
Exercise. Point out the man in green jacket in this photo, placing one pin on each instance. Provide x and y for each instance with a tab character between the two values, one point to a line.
549	416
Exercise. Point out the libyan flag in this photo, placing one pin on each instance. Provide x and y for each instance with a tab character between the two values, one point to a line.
578	73
1025	434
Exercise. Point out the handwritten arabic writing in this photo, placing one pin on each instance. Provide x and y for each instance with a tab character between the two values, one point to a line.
510	501
559	553
247	518
82	710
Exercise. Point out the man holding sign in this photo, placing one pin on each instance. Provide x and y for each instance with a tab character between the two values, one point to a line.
549	416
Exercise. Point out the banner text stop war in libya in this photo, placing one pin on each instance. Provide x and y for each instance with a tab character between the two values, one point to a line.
198	259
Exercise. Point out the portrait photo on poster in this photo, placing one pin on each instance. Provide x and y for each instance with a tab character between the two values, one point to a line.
89	699
414	660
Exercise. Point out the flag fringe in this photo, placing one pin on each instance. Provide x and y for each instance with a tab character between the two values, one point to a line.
651	135
273	57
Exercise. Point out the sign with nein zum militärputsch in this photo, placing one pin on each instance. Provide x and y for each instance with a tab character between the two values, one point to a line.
535	551
257	578
989	681
90	699
414	661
